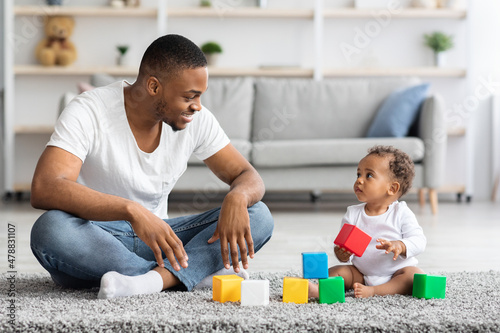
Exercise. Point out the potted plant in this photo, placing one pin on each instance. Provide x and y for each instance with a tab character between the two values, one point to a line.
122	50
205	3
439	43
211	51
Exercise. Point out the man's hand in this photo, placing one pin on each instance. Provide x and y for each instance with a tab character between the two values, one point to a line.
246	189
233	227
342	254
159	236
398	247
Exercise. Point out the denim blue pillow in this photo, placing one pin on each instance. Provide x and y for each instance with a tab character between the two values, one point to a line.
398	112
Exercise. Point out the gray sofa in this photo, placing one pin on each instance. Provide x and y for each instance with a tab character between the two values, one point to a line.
304	135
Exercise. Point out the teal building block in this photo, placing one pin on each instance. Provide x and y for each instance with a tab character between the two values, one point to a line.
429	286
315	265
332	290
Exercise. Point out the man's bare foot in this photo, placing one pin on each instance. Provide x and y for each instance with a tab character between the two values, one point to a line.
362	291
313	290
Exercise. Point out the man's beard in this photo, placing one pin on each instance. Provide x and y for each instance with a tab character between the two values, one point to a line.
159	110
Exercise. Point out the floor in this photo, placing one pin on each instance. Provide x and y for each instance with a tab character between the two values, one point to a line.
462	236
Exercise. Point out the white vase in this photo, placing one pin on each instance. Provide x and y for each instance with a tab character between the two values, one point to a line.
212	59
439	59
122	60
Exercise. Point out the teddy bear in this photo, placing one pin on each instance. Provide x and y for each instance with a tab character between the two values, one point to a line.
55	48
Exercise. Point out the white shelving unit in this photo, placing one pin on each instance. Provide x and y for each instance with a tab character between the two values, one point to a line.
407	13
161	14
242	12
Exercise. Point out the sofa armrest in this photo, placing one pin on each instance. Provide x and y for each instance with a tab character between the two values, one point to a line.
433	131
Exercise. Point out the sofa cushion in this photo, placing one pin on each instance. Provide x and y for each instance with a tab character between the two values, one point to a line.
295	153
299	109
231	101
398	112
243	146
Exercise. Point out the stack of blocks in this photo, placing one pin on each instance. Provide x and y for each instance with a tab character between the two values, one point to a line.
232	288
315	266
429	286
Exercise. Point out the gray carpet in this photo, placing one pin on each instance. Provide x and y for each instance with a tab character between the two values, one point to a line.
472	304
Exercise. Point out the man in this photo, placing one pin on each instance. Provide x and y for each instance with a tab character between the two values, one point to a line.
109	167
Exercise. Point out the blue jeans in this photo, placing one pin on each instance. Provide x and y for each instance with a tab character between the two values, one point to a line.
78	252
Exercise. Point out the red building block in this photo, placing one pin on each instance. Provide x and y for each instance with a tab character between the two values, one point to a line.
353	239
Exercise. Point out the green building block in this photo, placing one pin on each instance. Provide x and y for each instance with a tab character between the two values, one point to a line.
331	290
429	286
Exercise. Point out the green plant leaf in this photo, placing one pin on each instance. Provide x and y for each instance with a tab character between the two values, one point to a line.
122	49
438	41
211	47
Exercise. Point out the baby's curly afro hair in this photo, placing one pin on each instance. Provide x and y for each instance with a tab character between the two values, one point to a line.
400	164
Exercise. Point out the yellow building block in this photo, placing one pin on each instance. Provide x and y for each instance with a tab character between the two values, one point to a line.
226	288
295	290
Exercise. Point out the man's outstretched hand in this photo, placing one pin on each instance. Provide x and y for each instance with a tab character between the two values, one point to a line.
233	228
159	236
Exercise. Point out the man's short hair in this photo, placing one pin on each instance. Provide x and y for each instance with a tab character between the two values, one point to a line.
400	165
170	54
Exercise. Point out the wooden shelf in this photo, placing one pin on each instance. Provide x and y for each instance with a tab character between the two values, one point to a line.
73	70
25	129
236	12
396	71
35	129
85	11
242	71
416	13
278	72
241	12
233	12
130	71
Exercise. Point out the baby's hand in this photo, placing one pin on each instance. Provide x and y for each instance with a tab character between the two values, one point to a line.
342	254
398	247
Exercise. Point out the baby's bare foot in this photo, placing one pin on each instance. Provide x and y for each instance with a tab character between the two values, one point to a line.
362	291
313	290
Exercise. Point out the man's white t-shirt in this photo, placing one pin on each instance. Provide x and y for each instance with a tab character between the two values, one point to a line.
94	127
397	223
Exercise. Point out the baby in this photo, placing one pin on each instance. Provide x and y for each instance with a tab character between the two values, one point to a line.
388	264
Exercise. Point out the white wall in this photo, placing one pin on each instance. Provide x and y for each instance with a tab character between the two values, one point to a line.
1	97
1	46
254	42
484	25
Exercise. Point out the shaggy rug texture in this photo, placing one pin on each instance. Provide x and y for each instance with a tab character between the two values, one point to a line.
472	304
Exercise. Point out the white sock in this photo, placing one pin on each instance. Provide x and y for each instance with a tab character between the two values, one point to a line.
114	284
207	282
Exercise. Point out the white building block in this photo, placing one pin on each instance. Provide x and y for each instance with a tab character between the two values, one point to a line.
254	292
